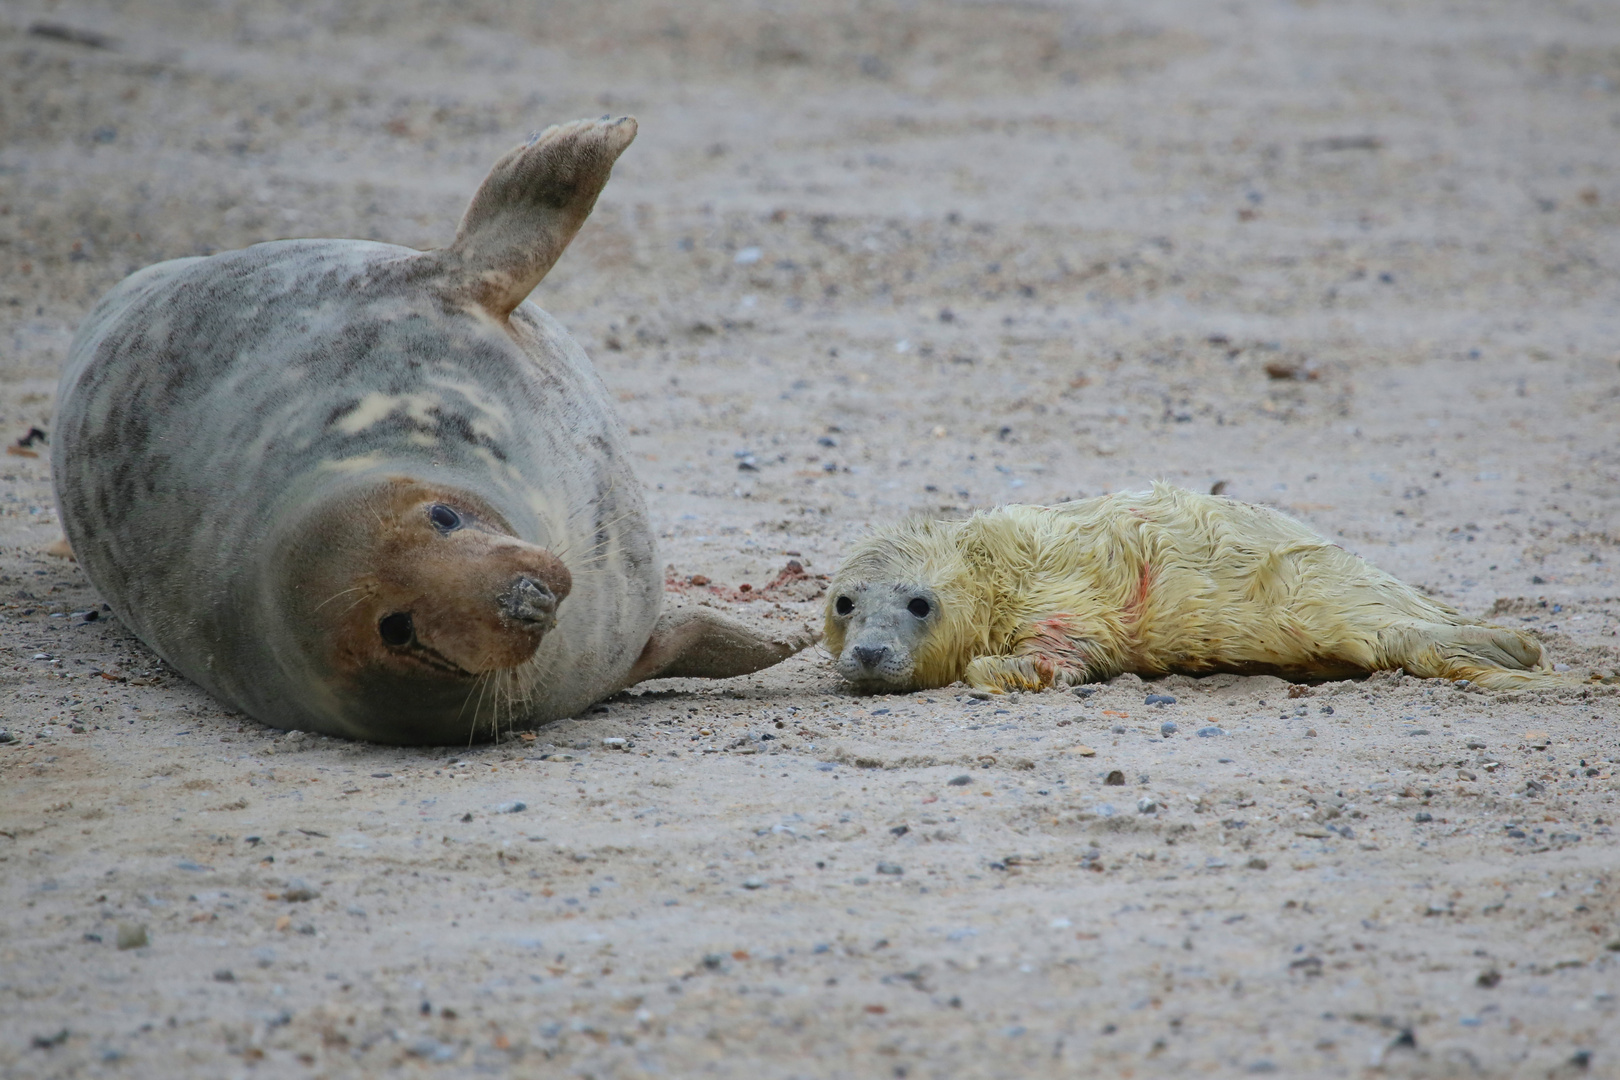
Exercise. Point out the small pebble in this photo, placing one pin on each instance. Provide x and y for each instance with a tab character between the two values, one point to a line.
224	975
1257	863
511	807
979	695
615	743
1310	733
132	936
960	781
1114	779
1210	732
1118	729
753	883
1147	804
1159	699
1326	710
890	868
1423	816
6	736
1168	728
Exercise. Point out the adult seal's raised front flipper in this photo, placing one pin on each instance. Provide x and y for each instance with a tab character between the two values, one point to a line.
355	488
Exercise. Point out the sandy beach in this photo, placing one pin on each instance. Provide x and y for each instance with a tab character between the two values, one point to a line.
1355	261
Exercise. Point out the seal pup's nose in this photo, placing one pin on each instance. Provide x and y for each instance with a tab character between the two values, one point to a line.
869	656
529	601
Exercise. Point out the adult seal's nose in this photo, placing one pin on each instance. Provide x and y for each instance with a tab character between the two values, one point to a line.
528	601
869	656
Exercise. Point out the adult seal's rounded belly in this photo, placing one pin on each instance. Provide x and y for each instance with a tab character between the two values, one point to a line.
355	488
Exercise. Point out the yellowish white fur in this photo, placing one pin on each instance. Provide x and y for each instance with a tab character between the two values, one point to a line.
1025	597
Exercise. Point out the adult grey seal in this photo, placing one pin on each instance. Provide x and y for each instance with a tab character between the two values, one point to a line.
354	488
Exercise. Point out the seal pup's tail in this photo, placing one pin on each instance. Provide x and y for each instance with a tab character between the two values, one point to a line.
527	210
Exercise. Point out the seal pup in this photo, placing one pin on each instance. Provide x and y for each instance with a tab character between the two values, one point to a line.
1029	597
359	489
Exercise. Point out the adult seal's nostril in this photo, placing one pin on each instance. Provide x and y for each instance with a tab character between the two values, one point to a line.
869	656
528	601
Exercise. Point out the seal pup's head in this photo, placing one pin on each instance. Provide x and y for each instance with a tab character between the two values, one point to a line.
413	601
904	611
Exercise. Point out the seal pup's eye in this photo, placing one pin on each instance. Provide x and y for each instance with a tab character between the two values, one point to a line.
919	607
844	605
444	519
396	629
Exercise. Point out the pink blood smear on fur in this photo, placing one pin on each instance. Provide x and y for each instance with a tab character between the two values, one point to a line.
1133	610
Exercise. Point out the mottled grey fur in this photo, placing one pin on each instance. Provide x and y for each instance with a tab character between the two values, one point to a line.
206	402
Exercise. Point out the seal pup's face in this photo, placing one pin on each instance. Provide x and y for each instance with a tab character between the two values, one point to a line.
903	611
407	593
879	628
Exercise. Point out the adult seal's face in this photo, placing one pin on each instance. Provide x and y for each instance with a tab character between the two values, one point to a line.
414	602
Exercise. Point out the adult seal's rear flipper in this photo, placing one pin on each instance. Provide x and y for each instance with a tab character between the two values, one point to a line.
527	210
695	643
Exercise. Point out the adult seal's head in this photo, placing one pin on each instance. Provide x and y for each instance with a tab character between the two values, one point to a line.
353	488
406	593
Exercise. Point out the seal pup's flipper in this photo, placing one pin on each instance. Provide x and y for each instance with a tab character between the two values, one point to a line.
527	210
1491	657
695	643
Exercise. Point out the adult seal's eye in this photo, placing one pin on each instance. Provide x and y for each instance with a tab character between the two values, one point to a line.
396	629
444	519
844	605
919	607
